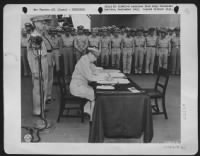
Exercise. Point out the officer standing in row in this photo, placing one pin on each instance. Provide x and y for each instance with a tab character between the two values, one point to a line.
94	40
127	52
80	43
163	49
105	48
67	47
140	47
54	39
175	54
116	48
151	47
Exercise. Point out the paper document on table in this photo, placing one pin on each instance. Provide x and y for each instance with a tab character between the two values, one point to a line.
134	90
101	76
111	70
107	82
117	75
122	81
106	87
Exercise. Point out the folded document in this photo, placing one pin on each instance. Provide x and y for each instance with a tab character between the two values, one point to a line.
106	87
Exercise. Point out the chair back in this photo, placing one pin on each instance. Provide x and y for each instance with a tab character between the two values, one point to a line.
162	80
61	77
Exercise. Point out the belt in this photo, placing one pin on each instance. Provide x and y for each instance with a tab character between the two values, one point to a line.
151	46
68	47
139	46
176	46
24	47
49	51
163	47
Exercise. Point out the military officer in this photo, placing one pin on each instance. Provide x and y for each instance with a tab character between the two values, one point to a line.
80	43
122	32
116	47
55	41
33	49
151	46
175	54
145	32
24	43
133	30
85	72
140	47
127	52
163	48
105	48
68	51
94	40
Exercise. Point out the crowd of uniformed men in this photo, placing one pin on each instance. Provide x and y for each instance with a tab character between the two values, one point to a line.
133	50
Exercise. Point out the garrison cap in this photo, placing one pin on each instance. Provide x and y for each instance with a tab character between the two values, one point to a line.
140	29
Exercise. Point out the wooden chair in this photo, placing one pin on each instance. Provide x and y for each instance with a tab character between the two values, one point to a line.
67	101
158	92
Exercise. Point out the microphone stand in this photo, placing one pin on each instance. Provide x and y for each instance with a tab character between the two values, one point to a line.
42	124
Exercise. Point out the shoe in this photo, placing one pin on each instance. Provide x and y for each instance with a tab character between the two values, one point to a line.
86	115
36	115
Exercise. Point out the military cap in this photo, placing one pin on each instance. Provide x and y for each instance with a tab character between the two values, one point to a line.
151	29
170	29
117	30
86	30
28	25
140	29
163	30
95	30
177	29
104	29
80	27
41	18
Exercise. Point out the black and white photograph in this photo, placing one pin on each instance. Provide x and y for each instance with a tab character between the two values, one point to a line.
101	78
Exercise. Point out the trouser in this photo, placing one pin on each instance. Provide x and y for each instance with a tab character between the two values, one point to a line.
84	91
116	55
139	57
162	57
25	61
36	83
68	53
51	63
127	60
150	56
57	55
175	60
105	57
